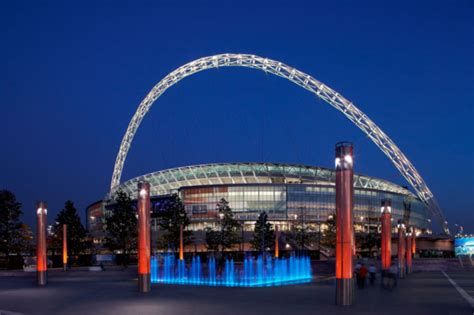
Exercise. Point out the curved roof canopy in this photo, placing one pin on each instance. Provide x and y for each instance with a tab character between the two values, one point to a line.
168	181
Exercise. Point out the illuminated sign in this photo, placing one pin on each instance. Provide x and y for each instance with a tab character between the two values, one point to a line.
464	246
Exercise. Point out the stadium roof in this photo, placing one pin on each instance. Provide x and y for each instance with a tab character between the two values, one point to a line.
170	180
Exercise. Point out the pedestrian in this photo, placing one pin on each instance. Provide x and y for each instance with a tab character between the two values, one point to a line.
393	273
356	271
362	275
372	272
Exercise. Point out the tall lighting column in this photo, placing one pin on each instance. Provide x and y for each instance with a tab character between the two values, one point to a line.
401	249
386	234
277	236
413	243
344	223
144	237
64	247
41	251
181	246
408	250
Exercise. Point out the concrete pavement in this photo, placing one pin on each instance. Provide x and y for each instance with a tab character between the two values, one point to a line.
116	293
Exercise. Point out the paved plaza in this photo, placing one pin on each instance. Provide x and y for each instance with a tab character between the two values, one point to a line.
115	292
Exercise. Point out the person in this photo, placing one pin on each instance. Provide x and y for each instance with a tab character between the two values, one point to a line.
392	274
362	275
357	266
356	271
372	272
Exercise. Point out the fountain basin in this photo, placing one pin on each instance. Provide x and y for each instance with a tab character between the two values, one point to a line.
259	272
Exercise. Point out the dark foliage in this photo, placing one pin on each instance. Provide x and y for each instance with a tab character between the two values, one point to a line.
170	218
15	237
228	234
122	226
263	235
77	241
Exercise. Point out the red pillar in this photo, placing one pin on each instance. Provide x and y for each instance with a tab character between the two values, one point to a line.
144	237
41	251
181	245
386	234
408	250
277	236
401	249
64	247
413	243
344	223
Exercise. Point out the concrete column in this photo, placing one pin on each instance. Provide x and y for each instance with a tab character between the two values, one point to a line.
144	237
41	250
408	251
64	247
344	223
401	249
386	221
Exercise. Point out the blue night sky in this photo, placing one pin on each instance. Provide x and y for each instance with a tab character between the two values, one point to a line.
73	73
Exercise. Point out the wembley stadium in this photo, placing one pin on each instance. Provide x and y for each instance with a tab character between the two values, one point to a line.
288	193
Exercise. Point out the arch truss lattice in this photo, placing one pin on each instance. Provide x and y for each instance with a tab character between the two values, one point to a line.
322	91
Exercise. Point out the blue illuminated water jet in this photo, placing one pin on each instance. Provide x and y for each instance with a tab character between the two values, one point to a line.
263	271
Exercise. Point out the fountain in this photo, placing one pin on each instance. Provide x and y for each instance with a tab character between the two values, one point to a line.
259	272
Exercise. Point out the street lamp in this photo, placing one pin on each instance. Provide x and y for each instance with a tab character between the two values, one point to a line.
400	249
302	228
295	217
242	241
181	241
262	236
221	217
319	238
461	229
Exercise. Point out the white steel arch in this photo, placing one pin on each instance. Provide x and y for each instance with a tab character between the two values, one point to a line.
404	166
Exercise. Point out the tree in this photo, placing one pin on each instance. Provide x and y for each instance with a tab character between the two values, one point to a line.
329	239
170	218
263	234
301	235
76	233
213	239
229	227
369	241
10	224
121	226
23	240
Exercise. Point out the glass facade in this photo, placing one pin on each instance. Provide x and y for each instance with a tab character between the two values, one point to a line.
284	202
287	192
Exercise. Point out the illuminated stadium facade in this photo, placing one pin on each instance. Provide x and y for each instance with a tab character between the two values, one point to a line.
290	194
